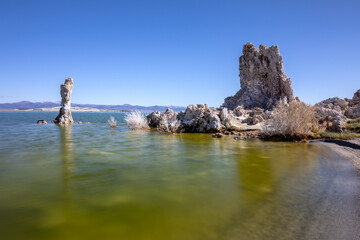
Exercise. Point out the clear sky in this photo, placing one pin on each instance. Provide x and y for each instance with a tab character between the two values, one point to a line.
172	52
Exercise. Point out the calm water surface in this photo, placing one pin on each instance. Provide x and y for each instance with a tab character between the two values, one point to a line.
88	181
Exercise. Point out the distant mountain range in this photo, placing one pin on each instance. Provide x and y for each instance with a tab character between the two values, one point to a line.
26	105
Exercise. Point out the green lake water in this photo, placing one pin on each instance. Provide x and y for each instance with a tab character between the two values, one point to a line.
88	181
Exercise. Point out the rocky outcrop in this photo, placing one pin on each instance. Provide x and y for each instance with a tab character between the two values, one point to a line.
262	78
65	116
354	106
154	119
334	112
203	119
200	119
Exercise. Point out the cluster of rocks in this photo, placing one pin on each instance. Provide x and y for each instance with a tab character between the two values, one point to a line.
263	84
334	112
238	135
203	119
53	121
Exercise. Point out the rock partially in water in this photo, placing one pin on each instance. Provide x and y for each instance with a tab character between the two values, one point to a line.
154	119
202	119
41	122
65	116
169	122
262	78
217	135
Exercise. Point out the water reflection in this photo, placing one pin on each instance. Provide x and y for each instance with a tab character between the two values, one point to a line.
67	158
115	183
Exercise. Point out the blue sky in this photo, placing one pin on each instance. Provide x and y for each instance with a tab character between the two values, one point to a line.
172	52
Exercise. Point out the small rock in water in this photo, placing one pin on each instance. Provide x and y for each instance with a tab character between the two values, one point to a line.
239	138
79	122
41	122
217	135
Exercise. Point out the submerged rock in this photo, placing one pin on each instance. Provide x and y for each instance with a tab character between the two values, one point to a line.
217	135
262	78
65	116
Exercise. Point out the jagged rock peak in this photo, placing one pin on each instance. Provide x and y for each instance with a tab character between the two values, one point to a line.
262	79
65	116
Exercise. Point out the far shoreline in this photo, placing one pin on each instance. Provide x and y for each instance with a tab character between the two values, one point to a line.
73	109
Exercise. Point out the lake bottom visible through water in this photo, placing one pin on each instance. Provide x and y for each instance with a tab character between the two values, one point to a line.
88	181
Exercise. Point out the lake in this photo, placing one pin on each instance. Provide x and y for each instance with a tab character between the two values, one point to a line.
88	181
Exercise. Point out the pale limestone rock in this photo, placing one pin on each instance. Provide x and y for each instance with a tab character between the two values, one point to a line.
354	106
348	108
334	112
154	119
169	122
202	119
65	116
337	104
262	78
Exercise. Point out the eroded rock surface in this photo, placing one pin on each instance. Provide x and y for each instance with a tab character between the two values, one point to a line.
334	112
354	106
262	78
65	116
203	119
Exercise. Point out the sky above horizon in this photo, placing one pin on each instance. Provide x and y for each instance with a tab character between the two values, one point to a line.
172	52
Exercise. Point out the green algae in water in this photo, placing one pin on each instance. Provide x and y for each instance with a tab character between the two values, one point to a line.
91	182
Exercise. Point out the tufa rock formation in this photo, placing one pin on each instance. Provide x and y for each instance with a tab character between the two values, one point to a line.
64	116
262	78
334	112
263	85
354	106
203	119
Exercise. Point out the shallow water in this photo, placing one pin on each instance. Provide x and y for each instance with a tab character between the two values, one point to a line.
88	181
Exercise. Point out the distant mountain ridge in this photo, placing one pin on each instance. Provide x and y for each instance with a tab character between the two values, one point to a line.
24	105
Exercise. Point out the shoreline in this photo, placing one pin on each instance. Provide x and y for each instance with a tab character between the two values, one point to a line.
349	149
